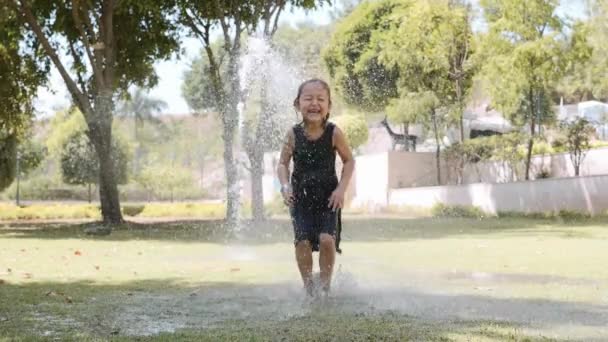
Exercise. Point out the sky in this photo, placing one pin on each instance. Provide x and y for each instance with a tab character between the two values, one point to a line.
171	72
56	97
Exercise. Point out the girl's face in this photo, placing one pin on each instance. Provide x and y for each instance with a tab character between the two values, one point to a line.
314	103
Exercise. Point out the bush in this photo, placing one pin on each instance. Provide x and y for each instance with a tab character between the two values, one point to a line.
572	215
442	210
202	210
54	211
565	215
532	215
543	174
133	209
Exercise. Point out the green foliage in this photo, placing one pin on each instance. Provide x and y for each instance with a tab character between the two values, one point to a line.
198	88
203	210
80	165
54	211
133	209
304	56
442	210
165	181
8	154
353	56
354	128
578	136
562	214
412	107
63	125
524	58
587	71
141	107
20	77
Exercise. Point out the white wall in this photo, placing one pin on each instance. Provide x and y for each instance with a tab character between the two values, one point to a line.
587	194
371	180
559	165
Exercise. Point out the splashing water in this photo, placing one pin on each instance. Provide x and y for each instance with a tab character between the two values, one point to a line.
268	85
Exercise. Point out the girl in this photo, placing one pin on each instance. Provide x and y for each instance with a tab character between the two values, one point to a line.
315	196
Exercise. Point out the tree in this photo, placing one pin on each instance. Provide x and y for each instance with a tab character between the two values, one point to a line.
162	181
352	56
304	57
80	165
20	77
141	108
578	134
234	18
523	53
587	73
430	47
354	128
112	45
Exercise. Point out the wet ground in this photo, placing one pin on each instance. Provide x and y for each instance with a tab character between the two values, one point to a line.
539	280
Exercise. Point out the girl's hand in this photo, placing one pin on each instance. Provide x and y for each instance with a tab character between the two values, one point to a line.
287	193
336	200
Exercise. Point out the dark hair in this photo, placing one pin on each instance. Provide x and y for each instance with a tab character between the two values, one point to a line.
313	80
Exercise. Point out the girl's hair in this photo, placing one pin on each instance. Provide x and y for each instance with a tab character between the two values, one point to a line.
313	80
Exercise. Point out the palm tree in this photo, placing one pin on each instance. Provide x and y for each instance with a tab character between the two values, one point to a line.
141	108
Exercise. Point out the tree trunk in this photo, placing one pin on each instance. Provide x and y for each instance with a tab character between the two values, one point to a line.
230	167
100	133
460	109
532	114
257	186
89	192
438	150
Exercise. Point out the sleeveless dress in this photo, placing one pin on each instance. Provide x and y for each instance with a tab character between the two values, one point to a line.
313	180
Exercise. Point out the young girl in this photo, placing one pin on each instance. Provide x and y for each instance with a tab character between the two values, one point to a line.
315	196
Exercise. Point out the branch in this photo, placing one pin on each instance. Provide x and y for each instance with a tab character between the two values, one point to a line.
193	26
275	26
85	41
77	62
225	27
107	18
24	11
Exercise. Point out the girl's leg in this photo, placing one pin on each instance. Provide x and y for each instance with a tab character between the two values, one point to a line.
304	259
327	258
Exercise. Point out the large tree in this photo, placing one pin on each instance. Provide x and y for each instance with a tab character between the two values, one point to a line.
524	55
352	56
234	19
587	72
110	45
20	77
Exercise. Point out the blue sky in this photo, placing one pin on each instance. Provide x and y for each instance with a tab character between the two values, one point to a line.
171	72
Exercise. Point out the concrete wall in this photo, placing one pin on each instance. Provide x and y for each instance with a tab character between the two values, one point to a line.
558	165
587	194
371	182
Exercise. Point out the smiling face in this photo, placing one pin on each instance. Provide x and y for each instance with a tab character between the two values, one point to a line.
314	102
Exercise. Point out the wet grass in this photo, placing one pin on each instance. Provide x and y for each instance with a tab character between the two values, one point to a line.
417	279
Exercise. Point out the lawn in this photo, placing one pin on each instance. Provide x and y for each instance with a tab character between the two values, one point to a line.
422	279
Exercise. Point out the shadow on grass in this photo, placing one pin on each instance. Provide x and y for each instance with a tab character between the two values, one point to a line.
280	230
166	309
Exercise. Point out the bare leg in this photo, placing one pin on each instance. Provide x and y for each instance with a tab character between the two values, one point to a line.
304	259
327	257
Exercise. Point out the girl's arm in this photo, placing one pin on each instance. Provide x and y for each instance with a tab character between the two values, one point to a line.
346	155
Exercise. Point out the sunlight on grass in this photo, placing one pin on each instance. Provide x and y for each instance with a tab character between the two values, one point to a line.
175	277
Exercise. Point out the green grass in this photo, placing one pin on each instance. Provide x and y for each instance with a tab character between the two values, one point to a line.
192	280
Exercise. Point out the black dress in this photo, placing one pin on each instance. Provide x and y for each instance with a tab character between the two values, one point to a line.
313	180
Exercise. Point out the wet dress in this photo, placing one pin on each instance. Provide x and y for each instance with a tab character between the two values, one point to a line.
313	180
